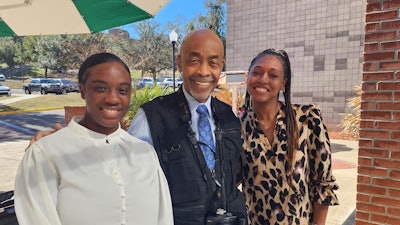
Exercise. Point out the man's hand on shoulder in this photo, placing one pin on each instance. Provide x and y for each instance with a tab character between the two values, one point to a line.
43	133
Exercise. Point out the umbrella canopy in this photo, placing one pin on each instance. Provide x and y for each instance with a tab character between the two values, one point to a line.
47	17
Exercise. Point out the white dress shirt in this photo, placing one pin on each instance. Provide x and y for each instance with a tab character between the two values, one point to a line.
140	126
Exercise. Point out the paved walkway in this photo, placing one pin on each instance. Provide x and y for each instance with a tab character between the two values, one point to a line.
10	155
16	98
345	154
345	159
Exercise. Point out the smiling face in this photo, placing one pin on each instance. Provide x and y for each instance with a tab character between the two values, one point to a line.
265	79
200	62
107	91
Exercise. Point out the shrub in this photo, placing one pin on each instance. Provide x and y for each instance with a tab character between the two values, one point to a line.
351	120
139	97
224	93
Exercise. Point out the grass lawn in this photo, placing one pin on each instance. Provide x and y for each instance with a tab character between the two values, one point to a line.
14	84
49	101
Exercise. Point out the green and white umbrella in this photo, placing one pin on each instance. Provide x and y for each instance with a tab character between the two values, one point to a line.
47	17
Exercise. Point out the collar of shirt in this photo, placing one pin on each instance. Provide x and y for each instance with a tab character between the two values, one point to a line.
84	131
193	103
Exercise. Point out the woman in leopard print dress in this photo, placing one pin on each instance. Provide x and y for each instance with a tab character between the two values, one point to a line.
287	172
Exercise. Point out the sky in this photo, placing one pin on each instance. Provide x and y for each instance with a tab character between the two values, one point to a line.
185	9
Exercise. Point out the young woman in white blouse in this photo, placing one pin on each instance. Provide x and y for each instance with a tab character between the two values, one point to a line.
92	171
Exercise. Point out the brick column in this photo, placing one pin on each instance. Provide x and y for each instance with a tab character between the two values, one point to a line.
378	182
71	111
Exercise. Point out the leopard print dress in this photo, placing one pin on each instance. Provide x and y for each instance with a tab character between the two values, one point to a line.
269	199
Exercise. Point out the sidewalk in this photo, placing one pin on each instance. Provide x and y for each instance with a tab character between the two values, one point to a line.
345	156
10	155
16	98
344	160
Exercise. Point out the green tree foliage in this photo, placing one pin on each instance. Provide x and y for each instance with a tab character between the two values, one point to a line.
19	54
123	46
152	49
179	24
50	51
80	46
151	52
26	53
8	49
17	51
216	16
214	20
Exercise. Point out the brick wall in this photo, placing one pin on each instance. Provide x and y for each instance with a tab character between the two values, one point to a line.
71	111
378	182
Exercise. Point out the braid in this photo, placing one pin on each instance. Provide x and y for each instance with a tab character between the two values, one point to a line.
291	125
247	101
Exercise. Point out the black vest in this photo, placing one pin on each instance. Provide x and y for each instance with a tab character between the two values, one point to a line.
194	190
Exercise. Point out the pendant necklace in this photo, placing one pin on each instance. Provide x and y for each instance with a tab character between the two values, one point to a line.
272	121
267	126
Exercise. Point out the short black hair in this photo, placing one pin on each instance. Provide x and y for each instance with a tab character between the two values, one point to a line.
97	59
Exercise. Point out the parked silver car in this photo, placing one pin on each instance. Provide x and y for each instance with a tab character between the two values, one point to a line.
169	82
4	90
145	82
37	84
63	86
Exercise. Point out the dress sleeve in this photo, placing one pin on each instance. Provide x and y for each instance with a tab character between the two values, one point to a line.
319	152
165	214
36	188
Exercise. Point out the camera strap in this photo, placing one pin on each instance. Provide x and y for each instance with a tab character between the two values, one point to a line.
219	150
185	116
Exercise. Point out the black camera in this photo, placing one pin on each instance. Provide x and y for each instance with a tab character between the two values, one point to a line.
226	219
7	211
223	218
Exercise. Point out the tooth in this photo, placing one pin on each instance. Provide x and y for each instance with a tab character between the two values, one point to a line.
202	83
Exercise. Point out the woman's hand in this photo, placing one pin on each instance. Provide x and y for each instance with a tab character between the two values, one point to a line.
320	214
43	133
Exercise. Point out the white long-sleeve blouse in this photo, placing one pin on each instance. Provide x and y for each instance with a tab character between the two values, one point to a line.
77	176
